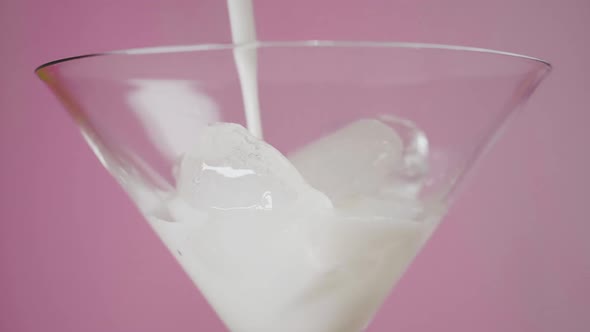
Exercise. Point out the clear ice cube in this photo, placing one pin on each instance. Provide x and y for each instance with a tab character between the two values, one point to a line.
364	159
230	171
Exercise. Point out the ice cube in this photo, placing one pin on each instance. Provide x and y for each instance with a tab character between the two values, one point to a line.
352	161
230	171
363	159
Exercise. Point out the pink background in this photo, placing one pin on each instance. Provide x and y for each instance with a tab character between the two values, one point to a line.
512	256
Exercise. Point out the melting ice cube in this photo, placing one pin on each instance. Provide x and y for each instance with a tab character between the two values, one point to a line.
364	159
229	170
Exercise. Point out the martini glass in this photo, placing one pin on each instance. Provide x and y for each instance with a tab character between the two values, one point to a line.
142	110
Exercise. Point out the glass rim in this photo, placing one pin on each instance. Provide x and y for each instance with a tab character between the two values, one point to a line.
302	43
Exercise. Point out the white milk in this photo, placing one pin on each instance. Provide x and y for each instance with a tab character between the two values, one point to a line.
243	30
316	276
